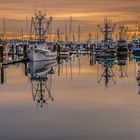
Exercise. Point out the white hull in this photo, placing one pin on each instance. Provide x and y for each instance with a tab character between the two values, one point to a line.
40	69
64	54
41	54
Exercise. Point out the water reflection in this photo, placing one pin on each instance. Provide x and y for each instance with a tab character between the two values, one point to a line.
107	73
137	59
109	68
122	61
40	76
2	75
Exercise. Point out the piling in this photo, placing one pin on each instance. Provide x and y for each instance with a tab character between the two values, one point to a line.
91	50
12	52
1	53
25	51
2	75
58	52
17	49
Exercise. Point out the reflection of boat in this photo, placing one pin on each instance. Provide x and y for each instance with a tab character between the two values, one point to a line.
107	74
137	59
39	50
122	46
40	76
121	61
40	69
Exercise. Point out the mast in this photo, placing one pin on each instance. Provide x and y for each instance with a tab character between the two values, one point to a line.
79	33
66	34
4	29
107	32
26	25
70	30
39	26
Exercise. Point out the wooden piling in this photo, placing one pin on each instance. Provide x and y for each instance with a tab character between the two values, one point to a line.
58	52
91	49
2	75
12	52
1	53
25	51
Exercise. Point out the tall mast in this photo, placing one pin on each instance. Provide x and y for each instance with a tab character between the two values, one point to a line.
39	26
66	34
70	30
27	26
79	33
4	29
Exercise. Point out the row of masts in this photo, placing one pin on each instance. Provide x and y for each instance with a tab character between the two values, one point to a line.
40	28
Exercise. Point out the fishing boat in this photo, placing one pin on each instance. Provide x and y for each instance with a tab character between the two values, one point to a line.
106	47
38	51
122	44
38	48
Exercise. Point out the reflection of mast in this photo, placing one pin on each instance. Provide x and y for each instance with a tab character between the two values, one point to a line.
108	72
138	77
40	77
79	62
39	89
71	72
122	66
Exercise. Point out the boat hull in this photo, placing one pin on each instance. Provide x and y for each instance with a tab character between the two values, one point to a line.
41	55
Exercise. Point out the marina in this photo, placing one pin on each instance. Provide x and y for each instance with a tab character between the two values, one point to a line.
71	71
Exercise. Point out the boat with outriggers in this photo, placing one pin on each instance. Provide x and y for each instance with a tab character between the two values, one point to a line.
39	50
107	46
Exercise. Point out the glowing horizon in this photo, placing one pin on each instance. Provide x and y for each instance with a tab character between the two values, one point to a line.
87	13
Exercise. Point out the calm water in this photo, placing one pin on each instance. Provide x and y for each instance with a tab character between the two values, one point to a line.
79	101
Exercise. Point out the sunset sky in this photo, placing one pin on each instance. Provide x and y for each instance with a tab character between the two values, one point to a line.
86	12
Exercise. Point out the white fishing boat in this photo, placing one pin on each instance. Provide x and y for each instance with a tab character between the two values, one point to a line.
38	48
38	51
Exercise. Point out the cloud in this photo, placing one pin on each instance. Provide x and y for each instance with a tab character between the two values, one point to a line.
88	12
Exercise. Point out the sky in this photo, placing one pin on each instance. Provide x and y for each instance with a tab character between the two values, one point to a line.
87	13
